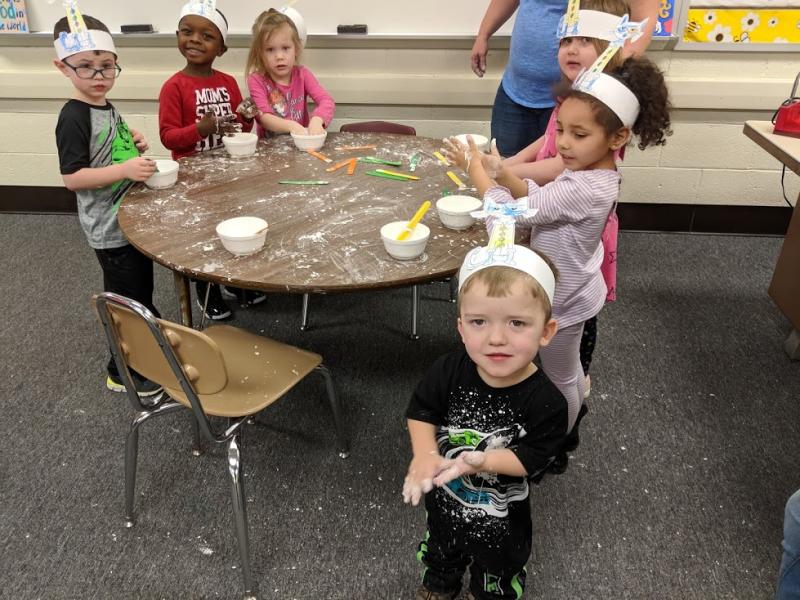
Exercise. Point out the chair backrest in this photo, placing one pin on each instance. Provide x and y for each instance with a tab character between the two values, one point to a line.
378	127
159	350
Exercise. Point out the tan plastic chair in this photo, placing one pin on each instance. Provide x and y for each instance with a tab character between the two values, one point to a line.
221	372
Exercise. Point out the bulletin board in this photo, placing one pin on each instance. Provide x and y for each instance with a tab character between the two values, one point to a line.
382	17
740	25
665	26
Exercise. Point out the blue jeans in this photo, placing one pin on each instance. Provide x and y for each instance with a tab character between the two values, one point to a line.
789	576
515	126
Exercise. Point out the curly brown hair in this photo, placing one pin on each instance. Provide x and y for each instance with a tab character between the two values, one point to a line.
642	77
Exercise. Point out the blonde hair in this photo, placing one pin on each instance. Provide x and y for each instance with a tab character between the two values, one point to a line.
611	7
265	25
499	279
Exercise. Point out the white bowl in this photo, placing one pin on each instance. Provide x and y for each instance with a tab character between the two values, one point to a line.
481	141
309	142
165	177
240	144
454	211
406	249
242	235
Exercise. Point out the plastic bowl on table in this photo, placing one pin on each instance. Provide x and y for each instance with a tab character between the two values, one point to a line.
165	176
240	144
454	211
309	142
411	247
481	141
242	235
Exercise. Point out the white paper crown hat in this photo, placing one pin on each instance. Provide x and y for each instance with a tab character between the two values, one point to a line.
517	257
207	9
590	24
79	38
611	92
297	19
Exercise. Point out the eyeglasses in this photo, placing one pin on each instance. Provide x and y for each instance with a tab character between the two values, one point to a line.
91	72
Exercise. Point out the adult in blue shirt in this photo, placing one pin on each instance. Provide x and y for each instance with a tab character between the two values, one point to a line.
524	98
789	574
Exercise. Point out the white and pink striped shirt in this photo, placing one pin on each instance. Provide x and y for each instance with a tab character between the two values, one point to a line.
573	209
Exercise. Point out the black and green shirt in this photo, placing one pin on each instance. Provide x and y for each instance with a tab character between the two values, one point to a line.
96	136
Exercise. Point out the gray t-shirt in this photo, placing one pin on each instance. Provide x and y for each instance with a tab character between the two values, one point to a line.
91	136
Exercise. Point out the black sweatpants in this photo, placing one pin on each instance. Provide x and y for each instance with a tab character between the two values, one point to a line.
129	273
588	342
495	549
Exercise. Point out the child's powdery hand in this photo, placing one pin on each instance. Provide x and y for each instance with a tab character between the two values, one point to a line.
248	109
457	153
138	169
139	141
492	162
421	472
466	463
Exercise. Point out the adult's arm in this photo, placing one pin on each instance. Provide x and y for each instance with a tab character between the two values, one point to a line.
640	10
497	13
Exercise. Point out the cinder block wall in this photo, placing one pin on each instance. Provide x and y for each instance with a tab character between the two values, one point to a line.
707	161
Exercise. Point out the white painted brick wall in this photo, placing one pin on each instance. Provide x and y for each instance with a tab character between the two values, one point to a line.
707	161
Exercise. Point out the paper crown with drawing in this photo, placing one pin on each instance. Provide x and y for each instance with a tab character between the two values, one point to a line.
606	88
297	19
207	9
502	252
80	38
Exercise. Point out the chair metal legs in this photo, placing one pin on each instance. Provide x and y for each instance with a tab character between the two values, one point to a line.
132	452
342	444
304	318
453	289
240	515
414	311
197	448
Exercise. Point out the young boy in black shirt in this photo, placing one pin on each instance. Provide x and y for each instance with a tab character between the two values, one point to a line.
483	422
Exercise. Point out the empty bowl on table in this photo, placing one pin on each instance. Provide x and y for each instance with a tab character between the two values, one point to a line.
309	142
165	176
411	247
454	211
242	235
240	144
481	141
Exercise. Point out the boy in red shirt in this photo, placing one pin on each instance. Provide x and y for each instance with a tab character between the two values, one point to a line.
196	107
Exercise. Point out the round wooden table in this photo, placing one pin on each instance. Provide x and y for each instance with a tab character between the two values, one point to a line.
321	238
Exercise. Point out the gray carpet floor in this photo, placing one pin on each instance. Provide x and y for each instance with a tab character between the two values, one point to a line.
677	491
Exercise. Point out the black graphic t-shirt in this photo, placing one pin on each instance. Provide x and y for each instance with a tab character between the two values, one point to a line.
529	418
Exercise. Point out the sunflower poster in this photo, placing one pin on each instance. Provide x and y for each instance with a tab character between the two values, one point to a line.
747	21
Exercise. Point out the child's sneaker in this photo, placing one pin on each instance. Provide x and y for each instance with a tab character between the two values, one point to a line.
216	309
144	387
424	593
245	297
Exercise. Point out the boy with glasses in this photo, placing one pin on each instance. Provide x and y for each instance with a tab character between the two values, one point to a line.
99	160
